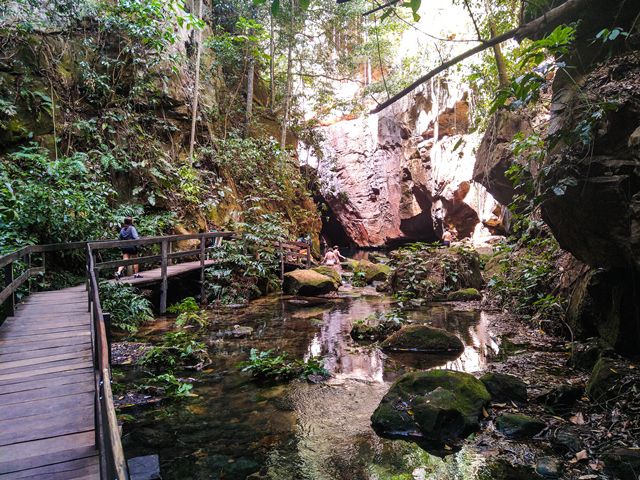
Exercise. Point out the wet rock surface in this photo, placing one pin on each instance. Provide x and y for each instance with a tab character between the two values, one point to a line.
436	407
519	426
464	295
504	387
307	282
422	338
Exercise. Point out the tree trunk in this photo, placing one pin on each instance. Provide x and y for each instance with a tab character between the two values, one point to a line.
272	76
250	73
196	88
503	77
287	97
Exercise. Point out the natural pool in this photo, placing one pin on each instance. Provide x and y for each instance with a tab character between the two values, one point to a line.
237	427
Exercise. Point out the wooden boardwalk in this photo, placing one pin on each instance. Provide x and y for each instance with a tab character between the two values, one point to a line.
150	277
47	389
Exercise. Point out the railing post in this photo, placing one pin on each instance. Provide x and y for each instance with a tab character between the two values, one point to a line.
163	273
107	326
309	254
11	301
203	299
29	268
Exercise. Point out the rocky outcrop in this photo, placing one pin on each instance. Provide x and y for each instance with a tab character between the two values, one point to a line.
436	407
406	173
504	387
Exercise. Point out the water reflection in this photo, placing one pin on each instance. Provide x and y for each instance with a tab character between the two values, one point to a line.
237	426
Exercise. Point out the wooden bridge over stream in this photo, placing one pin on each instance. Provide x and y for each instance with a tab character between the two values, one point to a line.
57	417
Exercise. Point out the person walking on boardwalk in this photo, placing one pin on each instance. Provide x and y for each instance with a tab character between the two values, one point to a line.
129	232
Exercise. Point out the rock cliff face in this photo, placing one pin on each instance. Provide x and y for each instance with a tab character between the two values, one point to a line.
406	173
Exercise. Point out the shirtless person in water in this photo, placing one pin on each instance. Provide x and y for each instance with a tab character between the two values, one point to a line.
330	259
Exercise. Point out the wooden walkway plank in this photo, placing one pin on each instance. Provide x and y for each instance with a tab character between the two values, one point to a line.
43	352
63	405
70	470
49	392
41	381
56	342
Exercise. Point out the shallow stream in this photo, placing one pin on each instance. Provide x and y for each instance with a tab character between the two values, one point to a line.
237	426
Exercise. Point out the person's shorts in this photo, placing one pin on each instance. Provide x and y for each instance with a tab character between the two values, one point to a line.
130	250
446	243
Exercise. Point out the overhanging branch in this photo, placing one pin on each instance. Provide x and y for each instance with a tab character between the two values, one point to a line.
551	19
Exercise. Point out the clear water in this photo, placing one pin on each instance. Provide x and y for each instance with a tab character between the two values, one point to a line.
236	426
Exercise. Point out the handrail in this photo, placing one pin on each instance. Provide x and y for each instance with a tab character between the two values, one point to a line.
113	464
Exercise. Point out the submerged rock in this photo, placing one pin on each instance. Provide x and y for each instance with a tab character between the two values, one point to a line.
422	338
435	407
514	425
307	282
504	388
464	295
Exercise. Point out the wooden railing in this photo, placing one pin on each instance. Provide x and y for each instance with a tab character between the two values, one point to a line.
163	258
113	465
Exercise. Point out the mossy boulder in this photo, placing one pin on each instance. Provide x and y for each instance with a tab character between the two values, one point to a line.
607	374
331	273
504	388
422	338
464	295
373	271
514	425
435	407
307	282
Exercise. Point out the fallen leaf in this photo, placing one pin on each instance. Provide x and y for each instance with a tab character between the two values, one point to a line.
587	477
581	455
484	412
447	447
577	419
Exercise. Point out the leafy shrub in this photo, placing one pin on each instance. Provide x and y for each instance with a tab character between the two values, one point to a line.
189	313
177	349
128	309
171	386
268	365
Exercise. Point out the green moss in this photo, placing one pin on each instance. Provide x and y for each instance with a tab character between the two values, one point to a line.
307	282
331	273
464	295
440	405
422	338
504	388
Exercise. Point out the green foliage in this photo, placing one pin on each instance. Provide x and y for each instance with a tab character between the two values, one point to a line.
526	277
268	365
171	386
186	305
189	313
177	349
537	63
128	309
50	201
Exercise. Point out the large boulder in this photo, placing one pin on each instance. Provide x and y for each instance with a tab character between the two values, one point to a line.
422	338
373	271
435	407
329	272
464	295
609	379
307	282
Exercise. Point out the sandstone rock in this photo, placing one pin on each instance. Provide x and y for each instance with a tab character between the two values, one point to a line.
422	338
437	407
331	273
518	426
307	282
504	388
373	271
403	174
464	295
